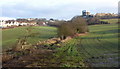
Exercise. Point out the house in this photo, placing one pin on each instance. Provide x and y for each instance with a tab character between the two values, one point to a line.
32	22
11	23
23	24
42	23
105	14
2	23
86	14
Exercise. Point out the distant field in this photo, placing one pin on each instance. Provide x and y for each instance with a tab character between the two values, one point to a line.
99	48
10	36
110	20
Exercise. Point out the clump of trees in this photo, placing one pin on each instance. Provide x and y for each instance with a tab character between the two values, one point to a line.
79	24
72	27
65	29
92	21
95	20
55	23
107	17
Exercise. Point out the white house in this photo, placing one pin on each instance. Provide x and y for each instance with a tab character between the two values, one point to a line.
12	23
2	23
6	23
23	24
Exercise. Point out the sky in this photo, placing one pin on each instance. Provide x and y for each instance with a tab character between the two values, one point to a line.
57	9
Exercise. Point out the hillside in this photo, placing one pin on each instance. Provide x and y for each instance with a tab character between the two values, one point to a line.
98	48
40	33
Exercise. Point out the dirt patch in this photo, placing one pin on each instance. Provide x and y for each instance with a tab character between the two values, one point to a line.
38	55
81	34
38	58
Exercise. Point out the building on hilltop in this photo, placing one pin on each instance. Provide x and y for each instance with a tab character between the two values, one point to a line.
105	14
86	14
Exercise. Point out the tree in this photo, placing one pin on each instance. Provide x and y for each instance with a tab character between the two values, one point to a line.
65	30
92	21
74	26
79	24
56	23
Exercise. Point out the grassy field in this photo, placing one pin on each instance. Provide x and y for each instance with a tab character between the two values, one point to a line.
110	20
10	36
99	48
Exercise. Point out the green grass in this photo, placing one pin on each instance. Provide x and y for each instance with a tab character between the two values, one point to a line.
99	48
10	36
110	20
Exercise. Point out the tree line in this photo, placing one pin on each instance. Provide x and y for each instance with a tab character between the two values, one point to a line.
74	26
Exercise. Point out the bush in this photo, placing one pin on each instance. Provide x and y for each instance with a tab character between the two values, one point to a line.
95	20
65	30
92	21
69	28
79	24
55	23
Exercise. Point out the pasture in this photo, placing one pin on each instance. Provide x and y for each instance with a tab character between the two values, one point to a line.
38	33
99	48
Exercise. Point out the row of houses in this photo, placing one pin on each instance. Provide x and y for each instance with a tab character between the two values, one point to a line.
106	14
10	23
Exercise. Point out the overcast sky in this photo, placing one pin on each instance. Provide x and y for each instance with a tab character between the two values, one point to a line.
57	9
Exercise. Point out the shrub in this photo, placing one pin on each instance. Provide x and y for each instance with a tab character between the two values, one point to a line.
65	30
92	21
69	28
79	24
55	23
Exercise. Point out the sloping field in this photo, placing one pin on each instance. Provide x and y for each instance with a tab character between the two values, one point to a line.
99	48
40	33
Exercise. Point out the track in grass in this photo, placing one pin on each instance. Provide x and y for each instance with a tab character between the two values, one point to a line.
98	49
